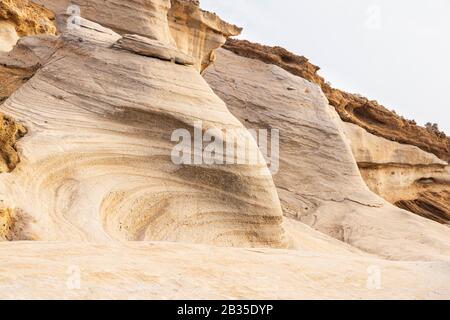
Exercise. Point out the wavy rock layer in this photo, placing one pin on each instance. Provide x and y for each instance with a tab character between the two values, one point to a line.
319	182
198	33
431	205
404	175
96	163
367	114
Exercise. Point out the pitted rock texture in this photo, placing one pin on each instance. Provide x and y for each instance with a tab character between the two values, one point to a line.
353	108
97	159
404	175
27	17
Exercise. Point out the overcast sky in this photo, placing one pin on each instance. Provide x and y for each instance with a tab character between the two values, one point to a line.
396	52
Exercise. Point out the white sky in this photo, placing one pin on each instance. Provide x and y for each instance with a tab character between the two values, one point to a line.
393	51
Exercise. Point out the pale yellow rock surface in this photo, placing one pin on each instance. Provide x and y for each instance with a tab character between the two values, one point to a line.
179	23
197	32
402	174
96	184
318	181
373	150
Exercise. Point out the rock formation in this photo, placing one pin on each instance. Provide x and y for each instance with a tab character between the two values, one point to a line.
352	108
318	180
99	143
91	94
404	175
27	17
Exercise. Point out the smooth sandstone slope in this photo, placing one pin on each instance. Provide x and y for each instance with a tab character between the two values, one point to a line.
99	105
96	162
318	181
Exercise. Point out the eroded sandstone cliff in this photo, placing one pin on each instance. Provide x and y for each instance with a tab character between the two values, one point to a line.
96	181
318	181
26	17
404	175
395	155
353	108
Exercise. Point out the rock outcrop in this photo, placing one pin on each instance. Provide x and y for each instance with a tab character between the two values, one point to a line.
318	179
21	18
96	163
394	155
179	23
353	108
404	175
111	214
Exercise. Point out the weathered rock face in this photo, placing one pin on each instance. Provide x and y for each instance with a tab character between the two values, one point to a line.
96	163
17	18
179	271
352	108
318	180
404	175
6	224
392	170
198	33
179	23
100	103
147	18
16	68
8	36
434	205
21	18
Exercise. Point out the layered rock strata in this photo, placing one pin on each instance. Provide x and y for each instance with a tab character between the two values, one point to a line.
404	175
353	108
318	181
96	162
